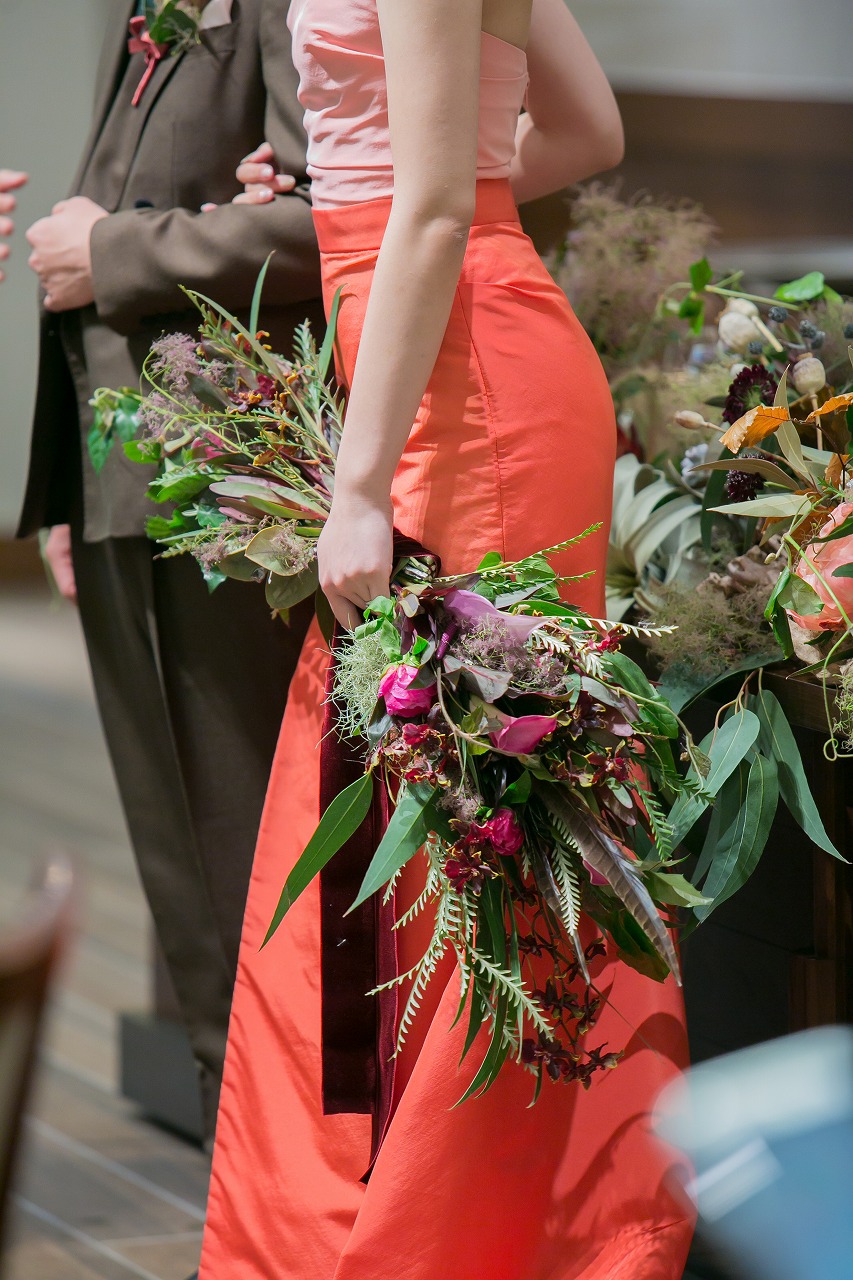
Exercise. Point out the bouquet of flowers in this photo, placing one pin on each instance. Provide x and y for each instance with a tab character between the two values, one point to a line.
244	442
538	769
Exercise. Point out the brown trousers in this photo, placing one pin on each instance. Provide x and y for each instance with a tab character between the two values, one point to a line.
191	688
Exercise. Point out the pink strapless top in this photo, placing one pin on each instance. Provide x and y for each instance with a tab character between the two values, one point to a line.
337	50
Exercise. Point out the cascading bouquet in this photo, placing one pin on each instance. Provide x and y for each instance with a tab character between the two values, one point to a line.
538	769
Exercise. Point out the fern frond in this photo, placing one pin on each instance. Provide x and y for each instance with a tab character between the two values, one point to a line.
661	829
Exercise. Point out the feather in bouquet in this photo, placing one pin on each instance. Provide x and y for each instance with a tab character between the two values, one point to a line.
536	768
244	442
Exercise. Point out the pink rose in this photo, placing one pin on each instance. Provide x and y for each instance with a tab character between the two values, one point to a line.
503	831
400	698
827	557
520	735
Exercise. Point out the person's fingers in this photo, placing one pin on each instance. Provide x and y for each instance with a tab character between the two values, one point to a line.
7	226
2	276
261	155
34	263
11	179
4	252
250	173
60	207
283	182
7	203
347	614
257	195
209	207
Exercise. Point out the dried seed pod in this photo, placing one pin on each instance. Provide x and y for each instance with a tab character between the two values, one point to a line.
809	376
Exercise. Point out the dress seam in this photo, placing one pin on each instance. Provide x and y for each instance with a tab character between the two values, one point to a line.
490	418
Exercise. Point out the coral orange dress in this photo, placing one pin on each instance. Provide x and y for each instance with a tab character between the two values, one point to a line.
512	451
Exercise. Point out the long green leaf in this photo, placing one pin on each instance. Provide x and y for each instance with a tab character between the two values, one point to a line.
341	820
726	749
325	357
742	844
776	739
255	312
786	433
410	824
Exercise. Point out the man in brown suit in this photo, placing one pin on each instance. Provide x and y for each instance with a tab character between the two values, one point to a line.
191	686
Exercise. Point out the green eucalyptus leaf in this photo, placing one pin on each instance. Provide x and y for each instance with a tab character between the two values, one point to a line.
411	822
284	593
725	749
843	571
668	886
742	843
776	739
768	506
341	820
237	566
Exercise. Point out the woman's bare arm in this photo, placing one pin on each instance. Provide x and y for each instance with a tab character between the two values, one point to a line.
572	128
432	61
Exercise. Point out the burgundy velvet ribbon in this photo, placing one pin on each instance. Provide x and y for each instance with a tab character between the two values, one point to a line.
140	42
358	951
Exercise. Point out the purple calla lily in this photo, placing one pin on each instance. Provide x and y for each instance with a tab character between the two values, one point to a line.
467	606
520	735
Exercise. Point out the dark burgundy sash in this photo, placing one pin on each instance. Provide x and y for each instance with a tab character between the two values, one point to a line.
359	951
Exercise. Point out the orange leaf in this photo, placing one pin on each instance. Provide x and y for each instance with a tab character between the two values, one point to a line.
754	426
835	468
836	402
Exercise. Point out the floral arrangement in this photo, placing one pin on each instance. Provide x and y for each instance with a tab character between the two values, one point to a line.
244	443
553	790
681	342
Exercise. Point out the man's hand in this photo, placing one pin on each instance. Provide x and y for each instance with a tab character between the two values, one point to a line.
260	180
10	180
57	553
62	256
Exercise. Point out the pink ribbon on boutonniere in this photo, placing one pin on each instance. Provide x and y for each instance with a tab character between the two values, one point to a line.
140	42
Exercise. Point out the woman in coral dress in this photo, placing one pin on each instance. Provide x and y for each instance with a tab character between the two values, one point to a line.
449	322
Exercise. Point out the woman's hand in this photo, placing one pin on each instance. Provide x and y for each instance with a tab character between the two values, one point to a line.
355	553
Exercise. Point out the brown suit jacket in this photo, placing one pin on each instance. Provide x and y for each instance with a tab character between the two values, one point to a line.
152	167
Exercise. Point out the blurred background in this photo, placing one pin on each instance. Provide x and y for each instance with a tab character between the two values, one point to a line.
743	105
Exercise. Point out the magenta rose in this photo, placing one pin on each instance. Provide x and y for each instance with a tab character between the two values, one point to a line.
400	698
519	735
503	831
826	557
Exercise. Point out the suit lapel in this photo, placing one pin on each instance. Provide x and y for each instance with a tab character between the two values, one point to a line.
110	69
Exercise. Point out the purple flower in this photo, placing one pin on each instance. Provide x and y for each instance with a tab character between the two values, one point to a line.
467	606
400	698
520	735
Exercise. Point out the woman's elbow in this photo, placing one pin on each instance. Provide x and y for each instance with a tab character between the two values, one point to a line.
606	147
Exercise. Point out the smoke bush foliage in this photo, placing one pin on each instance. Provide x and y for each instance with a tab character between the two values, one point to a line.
619	258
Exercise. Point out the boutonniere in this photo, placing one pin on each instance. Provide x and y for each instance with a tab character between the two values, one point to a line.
163	29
